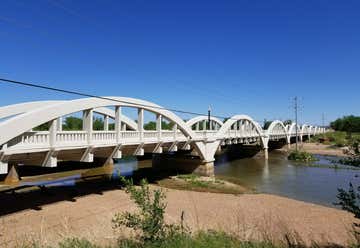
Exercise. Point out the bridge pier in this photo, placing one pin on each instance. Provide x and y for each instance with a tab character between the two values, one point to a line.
3	167
183	164
266	153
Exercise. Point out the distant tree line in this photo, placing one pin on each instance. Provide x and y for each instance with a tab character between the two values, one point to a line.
347	124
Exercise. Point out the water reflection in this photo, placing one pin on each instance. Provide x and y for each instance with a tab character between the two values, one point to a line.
291	179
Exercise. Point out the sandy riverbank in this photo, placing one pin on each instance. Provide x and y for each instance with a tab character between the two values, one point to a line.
317	148
248	216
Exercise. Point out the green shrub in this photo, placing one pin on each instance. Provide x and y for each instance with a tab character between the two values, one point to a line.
301	156
150	220
77	243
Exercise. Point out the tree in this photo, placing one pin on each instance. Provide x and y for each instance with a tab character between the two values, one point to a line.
72	123
267	124
98	124
43	127
151	125
288	122
348	124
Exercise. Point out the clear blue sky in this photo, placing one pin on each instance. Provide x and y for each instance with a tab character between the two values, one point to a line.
248	57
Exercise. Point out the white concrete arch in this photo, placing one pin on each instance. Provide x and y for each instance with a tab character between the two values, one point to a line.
247	120
20	108
292	129
20	124
200	119
277	128
304	129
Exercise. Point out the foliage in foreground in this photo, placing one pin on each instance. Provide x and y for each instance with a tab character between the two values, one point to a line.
209	239
349	200
301	156
149	221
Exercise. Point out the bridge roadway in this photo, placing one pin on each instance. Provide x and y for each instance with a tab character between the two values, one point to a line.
19	144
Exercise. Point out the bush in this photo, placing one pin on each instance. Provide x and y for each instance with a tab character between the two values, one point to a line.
150	220
77	243
350	201
301	156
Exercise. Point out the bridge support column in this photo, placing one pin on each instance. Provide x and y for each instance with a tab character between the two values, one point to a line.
266	153
118	124
141	123
88	123
59	124
3	167
205	169
106	123
3	161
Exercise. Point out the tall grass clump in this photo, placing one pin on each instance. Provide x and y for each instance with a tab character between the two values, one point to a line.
301	156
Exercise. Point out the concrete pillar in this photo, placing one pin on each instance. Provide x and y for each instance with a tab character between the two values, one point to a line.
118	124
141	123
3	167
197	126
159	125
266	153
175	128
106	123
205	169
3	161
88	123
52	132
204	125
123	127
59	124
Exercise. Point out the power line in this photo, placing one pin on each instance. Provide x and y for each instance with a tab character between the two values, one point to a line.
40	86
72	92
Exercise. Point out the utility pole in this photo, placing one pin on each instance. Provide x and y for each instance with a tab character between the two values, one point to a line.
323	122
209	112
296	121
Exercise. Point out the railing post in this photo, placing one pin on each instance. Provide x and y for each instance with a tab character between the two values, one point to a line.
141	123
197	126
106	123
159	125
204	125
88	124
118	124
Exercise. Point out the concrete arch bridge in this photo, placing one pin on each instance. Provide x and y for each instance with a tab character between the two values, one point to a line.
21	144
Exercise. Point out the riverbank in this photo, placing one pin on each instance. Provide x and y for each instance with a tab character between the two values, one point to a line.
248	216
318	148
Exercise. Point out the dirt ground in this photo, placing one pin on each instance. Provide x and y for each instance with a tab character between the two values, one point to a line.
317	148
250	216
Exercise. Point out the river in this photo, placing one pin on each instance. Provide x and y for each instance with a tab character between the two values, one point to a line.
317	184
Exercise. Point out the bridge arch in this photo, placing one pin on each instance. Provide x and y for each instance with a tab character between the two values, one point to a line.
277	128
22	123
20	108
242	122
202	119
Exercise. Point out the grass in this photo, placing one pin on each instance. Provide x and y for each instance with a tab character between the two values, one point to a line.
195	183
202	239
301	156
337	138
